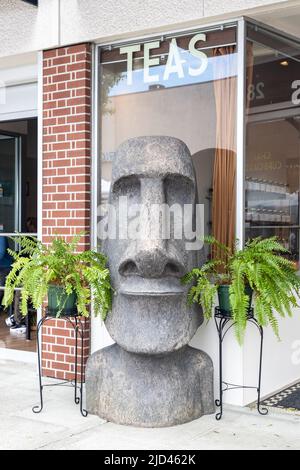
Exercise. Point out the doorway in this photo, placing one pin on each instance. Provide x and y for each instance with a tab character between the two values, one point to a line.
18	213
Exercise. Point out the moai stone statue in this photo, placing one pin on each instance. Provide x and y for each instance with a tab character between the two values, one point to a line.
150	377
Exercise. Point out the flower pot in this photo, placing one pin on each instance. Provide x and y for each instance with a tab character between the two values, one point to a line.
60	303
224	300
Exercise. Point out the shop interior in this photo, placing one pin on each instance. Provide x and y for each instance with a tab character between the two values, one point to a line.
273	142
18	213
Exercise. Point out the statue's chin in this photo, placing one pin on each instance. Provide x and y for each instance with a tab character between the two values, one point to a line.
152	324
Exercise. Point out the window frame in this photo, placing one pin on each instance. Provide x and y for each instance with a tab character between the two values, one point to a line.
96	131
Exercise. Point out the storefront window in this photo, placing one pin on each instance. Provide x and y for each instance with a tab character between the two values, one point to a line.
18	214
18	176
273	138
184	87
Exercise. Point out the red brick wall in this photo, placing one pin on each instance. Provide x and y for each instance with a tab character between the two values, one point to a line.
66	177
58	348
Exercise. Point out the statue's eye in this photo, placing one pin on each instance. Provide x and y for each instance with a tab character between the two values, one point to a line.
179	189
129	186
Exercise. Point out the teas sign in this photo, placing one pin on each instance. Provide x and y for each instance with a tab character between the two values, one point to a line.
175	62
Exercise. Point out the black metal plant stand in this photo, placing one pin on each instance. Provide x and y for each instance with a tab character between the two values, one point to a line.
224	323
78	326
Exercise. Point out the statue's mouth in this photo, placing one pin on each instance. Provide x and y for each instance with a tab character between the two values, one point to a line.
161	287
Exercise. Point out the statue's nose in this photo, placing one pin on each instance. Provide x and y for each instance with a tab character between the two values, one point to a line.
155	263
151	257
152	262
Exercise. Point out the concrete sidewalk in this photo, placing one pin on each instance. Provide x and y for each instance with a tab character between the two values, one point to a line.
60	425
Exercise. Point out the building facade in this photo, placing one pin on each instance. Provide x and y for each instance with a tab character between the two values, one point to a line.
77	78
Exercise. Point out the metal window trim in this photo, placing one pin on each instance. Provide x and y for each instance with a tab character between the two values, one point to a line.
164	37
241	133
162	54
18	115
271	29
18	171
206	27
40	147
40	163
95	144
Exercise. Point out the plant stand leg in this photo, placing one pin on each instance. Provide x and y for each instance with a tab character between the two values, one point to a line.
219	402
28	326
82	410
262	410
76	397
38	408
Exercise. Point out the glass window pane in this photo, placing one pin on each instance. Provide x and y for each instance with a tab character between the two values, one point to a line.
189	92
8	161
273	138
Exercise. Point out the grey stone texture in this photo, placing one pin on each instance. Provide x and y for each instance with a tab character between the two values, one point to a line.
150	312
150	377
150	390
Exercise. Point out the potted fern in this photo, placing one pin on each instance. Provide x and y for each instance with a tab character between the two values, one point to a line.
69	278
261	269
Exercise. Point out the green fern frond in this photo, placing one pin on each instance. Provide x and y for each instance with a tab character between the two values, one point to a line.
262	265
37	266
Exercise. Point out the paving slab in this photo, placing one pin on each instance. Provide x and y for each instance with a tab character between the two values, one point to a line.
61	426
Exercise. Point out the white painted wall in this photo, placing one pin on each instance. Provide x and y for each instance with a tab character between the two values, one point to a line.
25	28
18	86
103	19
206	339
99	335
281	359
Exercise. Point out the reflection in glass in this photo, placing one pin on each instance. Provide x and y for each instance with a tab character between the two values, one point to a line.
273	139
8	186
198	109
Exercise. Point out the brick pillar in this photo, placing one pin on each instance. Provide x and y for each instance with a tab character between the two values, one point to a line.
66	178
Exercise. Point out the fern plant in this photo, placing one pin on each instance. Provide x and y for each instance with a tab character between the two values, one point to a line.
37	267
263	267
